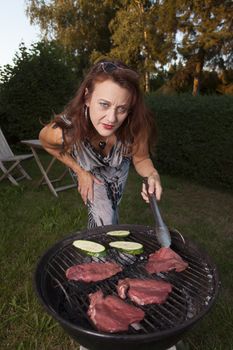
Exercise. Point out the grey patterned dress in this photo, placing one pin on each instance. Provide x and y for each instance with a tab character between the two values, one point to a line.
112	170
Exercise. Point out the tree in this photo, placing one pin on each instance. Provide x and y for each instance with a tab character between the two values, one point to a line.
80	26
181	80
133	31
142	35
207	29
37	85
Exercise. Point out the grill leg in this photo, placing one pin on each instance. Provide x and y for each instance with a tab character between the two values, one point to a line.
179	346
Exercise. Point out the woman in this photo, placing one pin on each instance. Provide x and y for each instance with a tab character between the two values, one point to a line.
105	127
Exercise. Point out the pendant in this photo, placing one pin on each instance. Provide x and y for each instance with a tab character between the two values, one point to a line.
102	144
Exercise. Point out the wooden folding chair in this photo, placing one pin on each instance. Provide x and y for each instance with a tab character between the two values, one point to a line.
7	156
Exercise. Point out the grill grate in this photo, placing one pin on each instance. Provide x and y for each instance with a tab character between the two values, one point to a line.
193	289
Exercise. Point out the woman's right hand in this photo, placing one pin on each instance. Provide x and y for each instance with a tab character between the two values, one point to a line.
86	185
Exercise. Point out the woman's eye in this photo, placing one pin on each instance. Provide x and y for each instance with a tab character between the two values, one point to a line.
122	110
104	104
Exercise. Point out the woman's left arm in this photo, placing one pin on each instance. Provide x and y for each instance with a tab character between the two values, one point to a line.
145	168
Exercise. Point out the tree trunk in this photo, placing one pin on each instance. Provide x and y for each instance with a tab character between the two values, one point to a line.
196	79
147	74
140	5
223	72
147	82
198	71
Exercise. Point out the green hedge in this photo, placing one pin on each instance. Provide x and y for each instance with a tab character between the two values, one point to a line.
195	137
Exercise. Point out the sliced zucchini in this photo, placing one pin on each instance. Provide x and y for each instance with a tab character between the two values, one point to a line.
119	233
127	247
90	248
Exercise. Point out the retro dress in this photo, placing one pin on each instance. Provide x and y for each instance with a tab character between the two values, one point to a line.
112	170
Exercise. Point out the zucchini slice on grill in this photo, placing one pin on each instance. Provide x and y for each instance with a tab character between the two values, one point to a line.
90	247
118	233
127	247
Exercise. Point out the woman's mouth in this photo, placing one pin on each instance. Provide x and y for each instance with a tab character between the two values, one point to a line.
107	126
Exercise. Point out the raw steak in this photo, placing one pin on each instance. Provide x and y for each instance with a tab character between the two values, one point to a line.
111	314
164	260
144	292
92	272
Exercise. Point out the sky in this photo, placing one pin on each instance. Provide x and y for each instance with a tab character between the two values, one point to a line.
14	28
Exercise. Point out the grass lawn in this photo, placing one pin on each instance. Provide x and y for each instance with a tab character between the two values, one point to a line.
33	219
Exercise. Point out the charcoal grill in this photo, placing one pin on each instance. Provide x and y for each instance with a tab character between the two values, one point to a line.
194	290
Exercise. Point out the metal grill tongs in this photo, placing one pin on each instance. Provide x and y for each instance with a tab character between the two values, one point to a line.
162	233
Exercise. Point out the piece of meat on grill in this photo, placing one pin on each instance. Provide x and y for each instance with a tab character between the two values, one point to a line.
92	272
143	292
164	260
111	314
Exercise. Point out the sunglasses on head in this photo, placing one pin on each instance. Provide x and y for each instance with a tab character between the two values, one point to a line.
108	67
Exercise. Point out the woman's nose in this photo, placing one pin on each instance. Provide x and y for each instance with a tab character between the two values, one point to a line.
112	115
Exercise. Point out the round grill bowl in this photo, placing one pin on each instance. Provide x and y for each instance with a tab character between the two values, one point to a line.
194	290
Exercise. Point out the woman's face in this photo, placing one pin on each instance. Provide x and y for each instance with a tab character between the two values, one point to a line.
108	107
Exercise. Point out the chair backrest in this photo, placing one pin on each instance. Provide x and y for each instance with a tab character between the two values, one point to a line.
5	150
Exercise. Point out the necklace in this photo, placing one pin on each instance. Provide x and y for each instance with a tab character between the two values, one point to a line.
102	144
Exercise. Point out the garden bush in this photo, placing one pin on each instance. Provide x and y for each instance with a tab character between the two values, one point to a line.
39	83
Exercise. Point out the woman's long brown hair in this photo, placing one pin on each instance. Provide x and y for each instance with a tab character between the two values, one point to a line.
138	127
